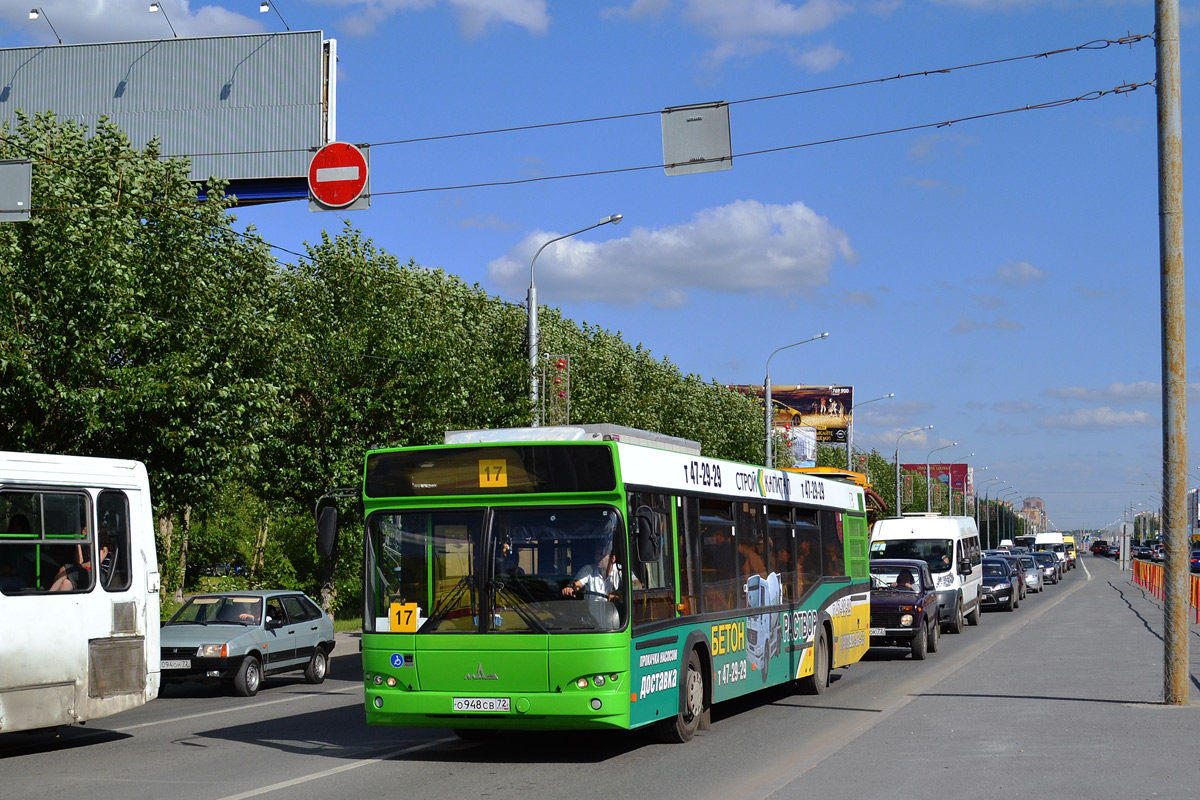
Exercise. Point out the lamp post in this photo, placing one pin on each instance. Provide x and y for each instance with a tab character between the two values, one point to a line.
533	313
899	500
850	429
987	505
769	414
950	487
1012	519
33	14
928	503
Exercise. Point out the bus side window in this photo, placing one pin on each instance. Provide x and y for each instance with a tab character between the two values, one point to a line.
113	512
654	587
783	551
832	546
688	526
808	548
719	573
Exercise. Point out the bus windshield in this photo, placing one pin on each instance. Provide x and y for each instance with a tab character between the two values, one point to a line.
937	553
544	569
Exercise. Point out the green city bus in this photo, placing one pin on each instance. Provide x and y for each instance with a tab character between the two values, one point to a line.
597	577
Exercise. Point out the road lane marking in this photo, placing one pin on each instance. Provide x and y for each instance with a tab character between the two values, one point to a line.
232	709
337	770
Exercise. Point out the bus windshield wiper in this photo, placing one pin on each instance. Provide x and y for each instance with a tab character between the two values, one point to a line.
526	616
449	601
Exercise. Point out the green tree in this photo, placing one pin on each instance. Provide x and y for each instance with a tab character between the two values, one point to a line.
139	323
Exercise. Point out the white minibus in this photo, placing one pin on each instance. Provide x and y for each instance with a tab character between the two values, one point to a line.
79	611
950	545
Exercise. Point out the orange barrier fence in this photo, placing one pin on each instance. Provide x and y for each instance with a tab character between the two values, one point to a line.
1149	576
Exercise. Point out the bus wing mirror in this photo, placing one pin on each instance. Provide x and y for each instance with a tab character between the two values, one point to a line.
964	567
649	534
327	530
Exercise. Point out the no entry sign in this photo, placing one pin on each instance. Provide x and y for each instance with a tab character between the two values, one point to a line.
337	175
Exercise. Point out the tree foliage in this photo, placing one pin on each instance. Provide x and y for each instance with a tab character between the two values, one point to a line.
139	323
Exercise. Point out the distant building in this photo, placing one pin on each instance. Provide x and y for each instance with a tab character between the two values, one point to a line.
1034	512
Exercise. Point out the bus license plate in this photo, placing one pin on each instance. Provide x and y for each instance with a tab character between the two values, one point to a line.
475	705
182	663
878	632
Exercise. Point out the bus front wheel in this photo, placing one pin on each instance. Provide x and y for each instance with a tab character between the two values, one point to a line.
682	727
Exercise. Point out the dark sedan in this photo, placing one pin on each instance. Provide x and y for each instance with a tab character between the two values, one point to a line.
1000	582
1051	571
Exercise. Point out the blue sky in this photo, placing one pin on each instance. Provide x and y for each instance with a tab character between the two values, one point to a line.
999	275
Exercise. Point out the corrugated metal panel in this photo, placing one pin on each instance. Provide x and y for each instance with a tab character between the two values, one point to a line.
214	98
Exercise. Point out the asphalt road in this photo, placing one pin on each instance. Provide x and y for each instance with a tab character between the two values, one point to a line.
1053	698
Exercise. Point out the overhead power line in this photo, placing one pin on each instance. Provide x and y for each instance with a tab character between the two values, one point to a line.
1124	88
1094	45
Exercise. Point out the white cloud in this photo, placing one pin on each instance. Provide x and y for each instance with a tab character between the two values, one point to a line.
79	21
638	9
1122	393
992	5
745	247
931	146
1102	418
738	19
819	59
1019	273
475	17
965	325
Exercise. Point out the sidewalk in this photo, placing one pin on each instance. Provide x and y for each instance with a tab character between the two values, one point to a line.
1066	705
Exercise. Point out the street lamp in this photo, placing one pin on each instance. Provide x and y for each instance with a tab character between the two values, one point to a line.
899	502
33	14
1012	519
156	7
770	414
533	313
850	429
987	506
266	6
928	506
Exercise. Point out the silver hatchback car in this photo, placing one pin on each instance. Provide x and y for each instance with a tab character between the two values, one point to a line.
241	637
1034	581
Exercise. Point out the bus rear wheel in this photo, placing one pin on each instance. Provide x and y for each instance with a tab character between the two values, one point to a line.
819	680
682	727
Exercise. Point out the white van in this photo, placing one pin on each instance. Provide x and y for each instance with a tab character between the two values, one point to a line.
1053	542
950	545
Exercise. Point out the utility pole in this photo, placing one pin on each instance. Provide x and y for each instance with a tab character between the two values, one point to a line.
1176	584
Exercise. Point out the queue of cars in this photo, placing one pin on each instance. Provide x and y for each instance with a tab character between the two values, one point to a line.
929	575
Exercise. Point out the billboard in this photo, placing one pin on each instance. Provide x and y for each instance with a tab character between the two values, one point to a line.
250	108
824	409
959	476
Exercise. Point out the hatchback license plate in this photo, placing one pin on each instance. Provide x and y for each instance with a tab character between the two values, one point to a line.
475	705
182	663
